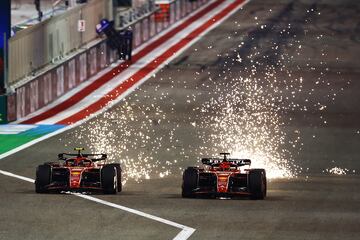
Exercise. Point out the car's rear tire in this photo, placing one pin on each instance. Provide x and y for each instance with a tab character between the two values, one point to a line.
43	178
257	184
118	172
109	179
190	182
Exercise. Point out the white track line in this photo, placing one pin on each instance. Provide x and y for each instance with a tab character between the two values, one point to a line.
185	233
9	174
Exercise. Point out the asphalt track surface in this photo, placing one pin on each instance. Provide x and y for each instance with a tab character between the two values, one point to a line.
316	205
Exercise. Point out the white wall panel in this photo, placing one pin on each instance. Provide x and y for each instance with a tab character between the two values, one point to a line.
34	47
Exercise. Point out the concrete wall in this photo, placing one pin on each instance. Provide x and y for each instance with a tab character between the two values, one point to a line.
39	45
52	84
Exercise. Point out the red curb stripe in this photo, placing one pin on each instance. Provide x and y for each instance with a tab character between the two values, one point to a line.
120	89
117	70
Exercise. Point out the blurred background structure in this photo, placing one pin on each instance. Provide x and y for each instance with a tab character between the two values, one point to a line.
52	42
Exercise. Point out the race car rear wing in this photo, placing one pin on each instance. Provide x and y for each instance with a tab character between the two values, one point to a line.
97	156
93	156
238	162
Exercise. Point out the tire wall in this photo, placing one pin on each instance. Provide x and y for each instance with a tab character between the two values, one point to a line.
55	82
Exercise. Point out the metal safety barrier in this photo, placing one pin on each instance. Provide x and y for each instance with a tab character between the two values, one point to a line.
62	77
33	48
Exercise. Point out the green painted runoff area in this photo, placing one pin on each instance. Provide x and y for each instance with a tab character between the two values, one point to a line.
11	141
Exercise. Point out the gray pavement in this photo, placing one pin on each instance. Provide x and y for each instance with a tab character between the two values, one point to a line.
301	105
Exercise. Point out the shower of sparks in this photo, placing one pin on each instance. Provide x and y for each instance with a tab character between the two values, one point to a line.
337	171
249	113
241	106
128	136
245	121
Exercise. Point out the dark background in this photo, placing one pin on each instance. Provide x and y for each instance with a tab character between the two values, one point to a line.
5	24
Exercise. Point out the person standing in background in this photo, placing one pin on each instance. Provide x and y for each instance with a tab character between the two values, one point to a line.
38	8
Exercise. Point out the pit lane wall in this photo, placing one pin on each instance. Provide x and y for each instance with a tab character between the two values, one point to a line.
63	77
51	40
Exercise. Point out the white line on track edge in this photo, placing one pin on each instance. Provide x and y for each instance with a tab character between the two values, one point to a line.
185	232
9	174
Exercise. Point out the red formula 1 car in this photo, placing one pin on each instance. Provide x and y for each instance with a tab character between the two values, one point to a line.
80	171
223	177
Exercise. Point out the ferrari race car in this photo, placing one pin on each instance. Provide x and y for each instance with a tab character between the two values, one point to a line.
80	171
223	177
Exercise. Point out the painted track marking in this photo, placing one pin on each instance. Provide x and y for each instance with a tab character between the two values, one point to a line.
184	234
9	174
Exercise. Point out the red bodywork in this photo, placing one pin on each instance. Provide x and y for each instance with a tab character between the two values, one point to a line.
75	167
224	177
223	172
80	165
79	171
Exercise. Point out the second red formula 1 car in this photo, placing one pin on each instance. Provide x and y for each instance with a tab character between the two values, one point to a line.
80	171
223	177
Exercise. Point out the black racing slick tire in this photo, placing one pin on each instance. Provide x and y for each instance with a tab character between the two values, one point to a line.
109	179
43	178
190	182
118	172
257	184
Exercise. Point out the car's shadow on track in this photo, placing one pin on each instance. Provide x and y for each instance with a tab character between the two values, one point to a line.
123	193
271	198
268	198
